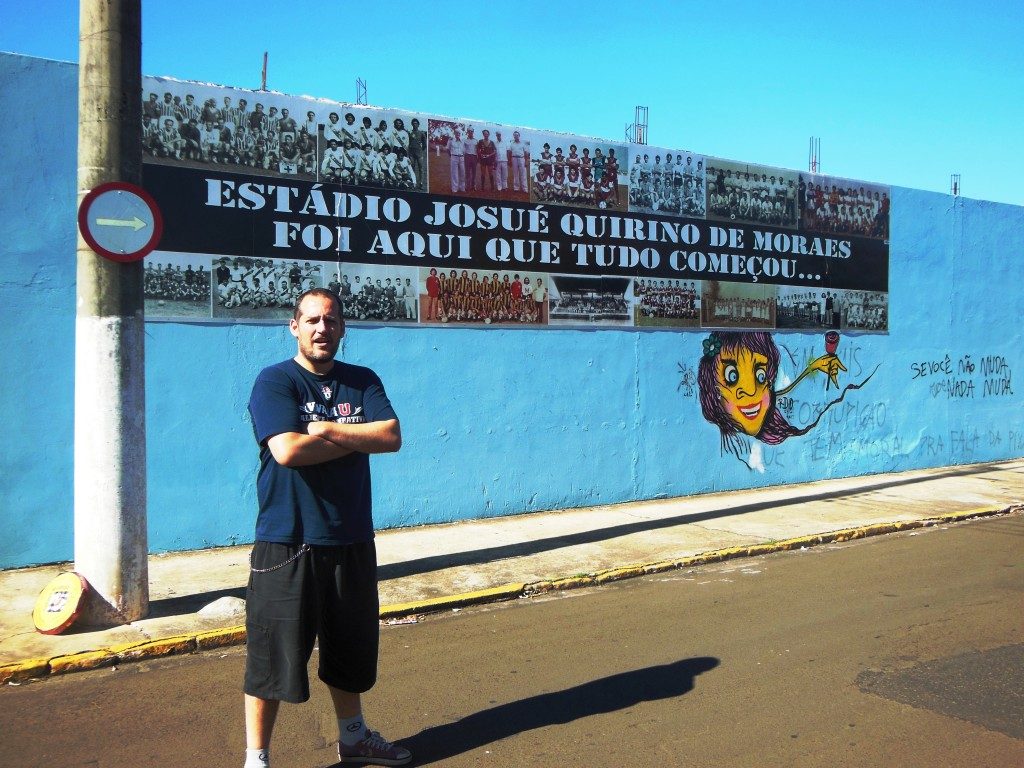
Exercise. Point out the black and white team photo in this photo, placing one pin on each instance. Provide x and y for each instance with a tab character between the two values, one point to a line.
752	194
667	182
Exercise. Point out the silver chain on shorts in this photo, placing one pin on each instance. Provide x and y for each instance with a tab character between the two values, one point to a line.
302	550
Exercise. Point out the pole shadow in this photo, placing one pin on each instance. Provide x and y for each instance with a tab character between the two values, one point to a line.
596	697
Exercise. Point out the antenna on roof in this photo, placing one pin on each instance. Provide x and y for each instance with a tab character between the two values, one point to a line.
360	91
263	80
814	155
636	132
954	184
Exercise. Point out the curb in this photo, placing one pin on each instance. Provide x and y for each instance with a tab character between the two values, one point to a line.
219	638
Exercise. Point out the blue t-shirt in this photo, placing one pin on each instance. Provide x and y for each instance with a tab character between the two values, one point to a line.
328	503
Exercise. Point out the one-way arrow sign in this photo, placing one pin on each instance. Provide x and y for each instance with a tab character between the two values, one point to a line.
120	221
135	223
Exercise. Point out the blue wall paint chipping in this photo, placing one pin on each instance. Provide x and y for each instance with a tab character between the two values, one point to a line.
495	422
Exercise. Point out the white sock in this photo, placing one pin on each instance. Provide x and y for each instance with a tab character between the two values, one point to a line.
351	730
257	758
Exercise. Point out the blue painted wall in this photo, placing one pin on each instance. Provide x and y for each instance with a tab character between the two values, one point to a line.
495	422
37	299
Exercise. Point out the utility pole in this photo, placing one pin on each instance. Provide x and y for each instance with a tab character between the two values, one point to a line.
111	545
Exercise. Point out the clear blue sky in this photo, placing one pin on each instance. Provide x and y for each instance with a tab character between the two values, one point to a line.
903	92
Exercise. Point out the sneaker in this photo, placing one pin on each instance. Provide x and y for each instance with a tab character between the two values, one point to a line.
374	749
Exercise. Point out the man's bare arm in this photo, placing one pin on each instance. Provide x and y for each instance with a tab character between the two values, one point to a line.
373	437
294	449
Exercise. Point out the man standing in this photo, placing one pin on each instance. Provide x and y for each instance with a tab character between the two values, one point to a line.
501	173
469	146
518	155
418	152
314	563
457	151
287	124
410	300
487	155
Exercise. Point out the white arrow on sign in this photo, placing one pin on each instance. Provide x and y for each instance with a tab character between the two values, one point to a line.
135	223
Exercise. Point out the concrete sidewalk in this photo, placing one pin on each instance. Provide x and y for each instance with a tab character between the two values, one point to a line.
195	597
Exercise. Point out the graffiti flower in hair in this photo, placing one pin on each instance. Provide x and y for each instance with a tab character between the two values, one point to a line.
712	345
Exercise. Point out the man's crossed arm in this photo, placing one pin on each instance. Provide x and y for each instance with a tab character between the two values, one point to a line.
327	440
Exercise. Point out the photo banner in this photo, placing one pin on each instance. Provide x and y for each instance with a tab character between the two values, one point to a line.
232	214
264	195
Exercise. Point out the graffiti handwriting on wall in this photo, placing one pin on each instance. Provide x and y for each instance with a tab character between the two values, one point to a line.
968	443
964	378
737	384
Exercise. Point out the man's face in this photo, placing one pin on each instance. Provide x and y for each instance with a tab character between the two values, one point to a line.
319	328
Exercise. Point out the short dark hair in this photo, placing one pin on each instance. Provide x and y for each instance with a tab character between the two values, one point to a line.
321	292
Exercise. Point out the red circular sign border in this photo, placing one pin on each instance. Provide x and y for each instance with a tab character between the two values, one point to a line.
56	630
124	258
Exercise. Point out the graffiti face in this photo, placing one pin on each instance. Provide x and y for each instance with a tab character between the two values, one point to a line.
736	387
742	377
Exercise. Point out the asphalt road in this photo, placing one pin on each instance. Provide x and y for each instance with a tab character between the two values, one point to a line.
903	650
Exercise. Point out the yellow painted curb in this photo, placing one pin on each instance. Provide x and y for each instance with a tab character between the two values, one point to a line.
616	574
80	662
753	550
504	592
573	582
150	648
24	670
219	638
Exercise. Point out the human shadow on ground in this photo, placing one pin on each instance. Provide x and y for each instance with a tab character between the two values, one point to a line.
597	697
